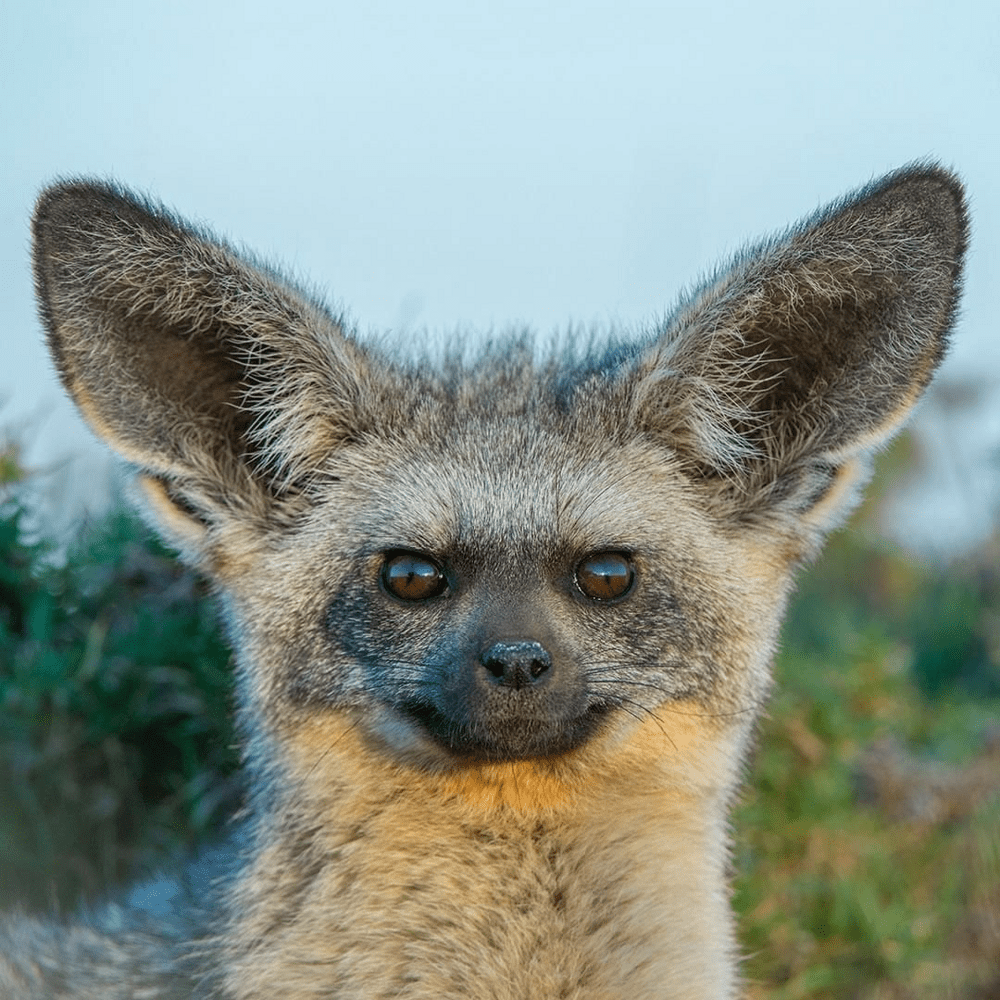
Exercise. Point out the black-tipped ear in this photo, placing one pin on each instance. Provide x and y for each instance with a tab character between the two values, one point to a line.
774	381
208	372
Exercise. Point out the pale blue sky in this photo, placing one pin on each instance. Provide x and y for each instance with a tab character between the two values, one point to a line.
460	165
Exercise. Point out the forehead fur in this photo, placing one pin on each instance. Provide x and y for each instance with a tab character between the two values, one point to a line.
510	442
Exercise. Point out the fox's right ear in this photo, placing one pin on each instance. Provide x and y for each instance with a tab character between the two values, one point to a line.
777	380
224	384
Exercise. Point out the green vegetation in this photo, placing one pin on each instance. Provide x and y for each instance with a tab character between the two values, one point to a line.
868	842
117	748
867	846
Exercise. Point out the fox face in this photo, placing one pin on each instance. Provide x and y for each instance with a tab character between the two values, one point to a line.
469	608
508	553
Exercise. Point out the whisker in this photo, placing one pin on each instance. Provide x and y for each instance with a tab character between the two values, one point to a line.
627	705
752	707
630	682
329	750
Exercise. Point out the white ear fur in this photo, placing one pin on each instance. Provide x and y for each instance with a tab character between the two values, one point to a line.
179	528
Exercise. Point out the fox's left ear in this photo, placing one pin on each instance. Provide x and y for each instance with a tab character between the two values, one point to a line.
775	381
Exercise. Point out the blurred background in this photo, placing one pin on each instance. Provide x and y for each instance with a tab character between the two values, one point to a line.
465	166
447	166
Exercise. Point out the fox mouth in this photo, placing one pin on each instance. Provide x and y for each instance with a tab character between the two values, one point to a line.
507	736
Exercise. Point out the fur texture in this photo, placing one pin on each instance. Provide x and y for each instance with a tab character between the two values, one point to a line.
503	622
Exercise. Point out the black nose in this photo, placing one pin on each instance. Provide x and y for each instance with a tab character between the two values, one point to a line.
516	664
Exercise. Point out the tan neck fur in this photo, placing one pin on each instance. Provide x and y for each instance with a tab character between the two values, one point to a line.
505	881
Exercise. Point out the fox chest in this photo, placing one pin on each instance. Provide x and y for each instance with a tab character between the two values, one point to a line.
488	915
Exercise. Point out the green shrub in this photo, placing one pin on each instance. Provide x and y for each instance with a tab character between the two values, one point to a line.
116	739
840	897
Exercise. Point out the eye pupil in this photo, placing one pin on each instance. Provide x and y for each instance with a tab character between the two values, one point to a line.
411	577
605	576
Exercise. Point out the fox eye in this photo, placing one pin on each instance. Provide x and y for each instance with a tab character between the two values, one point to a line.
605	576
412	577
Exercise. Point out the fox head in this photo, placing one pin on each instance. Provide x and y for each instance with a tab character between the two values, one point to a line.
505	554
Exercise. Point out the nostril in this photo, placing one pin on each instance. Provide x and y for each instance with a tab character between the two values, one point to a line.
516	664
495	665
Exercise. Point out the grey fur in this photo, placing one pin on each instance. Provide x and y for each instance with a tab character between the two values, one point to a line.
577	817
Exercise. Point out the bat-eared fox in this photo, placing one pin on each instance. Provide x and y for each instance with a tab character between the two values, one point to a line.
503	613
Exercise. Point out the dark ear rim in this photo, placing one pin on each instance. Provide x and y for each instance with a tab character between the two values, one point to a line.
59	203
932	176
949	215
57	208
927	172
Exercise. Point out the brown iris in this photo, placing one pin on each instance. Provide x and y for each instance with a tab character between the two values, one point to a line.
413	577
605	576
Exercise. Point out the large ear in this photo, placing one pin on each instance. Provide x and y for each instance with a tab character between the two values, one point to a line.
775	381
223	383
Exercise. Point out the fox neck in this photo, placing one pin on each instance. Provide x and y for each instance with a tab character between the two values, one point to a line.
535	879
